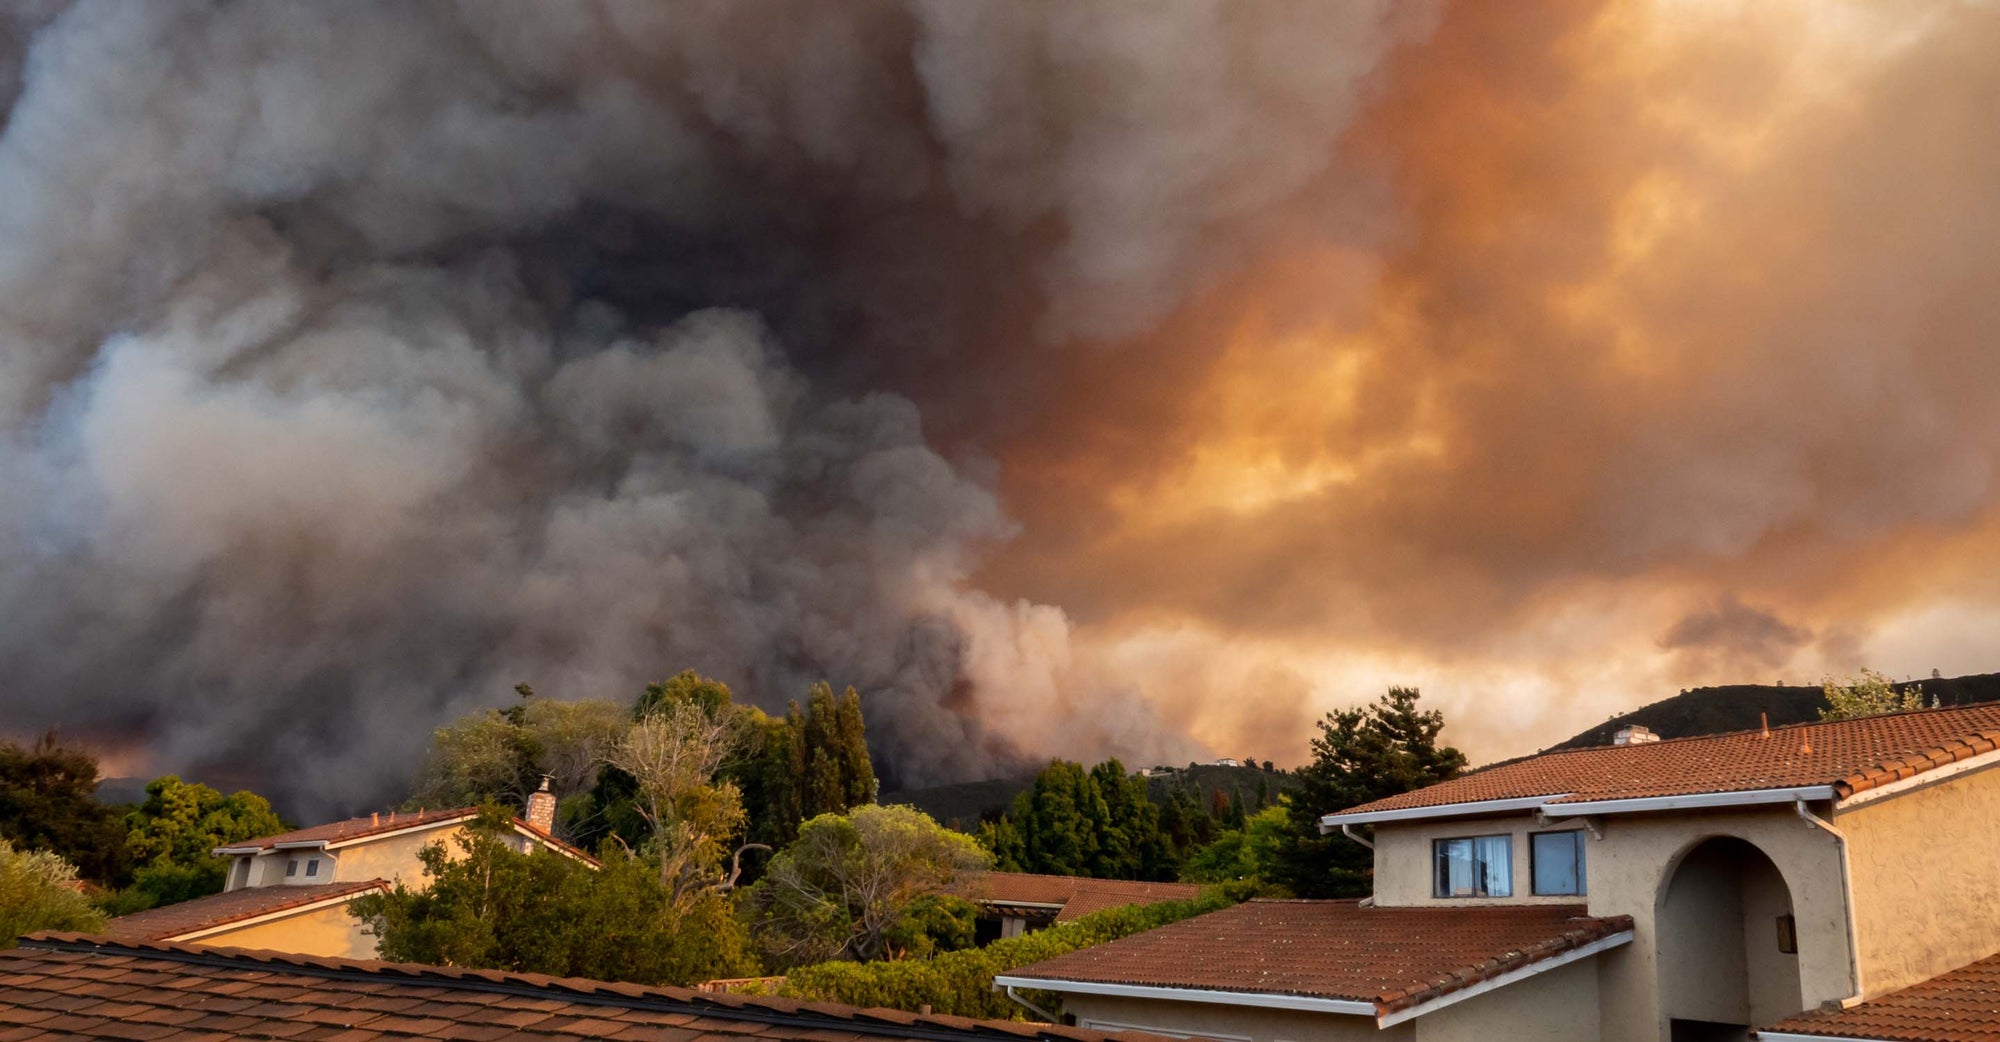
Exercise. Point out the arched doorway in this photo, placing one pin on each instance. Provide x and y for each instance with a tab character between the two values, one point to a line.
1727	942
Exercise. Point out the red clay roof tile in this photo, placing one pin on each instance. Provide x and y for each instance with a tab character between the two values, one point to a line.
1849	755
1076	895
204	913
1960	1006
1392	957
307	999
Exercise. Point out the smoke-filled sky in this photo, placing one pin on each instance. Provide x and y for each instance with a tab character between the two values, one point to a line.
1071	378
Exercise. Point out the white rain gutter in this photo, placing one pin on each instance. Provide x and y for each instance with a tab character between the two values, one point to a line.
1786	1036
1016	998
1847	893
1203	995
1446	810
1690	801
1348	831
1451	998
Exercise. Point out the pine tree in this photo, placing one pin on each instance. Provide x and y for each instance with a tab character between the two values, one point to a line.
857	773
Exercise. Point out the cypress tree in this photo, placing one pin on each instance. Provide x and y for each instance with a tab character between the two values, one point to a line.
857	773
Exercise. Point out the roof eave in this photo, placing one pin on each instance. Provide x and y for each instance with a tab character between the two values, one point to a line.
1470	991
1209	996
1549	807
1333	822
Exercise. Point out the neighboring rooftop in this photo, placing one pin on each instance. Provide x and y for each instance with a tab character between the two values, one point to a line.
74	986
1739	707
1069	896
1389	958
217	910
1960	1006
1847	756
338	832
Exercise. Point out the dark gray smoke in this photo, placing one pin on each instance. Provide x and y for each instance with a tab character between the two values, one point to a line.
363	359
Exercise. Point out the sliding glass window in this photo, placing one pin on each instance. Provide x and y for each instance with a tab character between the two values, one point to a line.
1473	866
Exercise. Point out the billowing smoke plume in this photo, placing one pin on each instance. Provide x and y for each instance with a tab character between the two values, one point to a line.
362	360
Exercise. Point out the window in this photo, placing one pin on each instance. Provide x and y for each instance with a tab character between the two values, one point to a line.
1474	866
312	867
291	868
1557	862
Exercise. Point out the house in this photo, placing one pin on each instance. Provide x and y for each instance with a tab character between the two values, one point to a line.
290	892
1014	903
71	986
1689	889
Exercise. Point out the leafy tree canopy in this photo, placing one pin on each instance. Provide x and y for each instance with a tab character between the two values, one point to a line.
489	906
1360	755
39	891
851	883
172	834
1242	854
1076	822
1870	694
48	802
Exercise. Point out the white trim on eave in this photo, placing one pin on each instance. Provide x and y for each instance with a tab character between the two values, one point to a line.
1691	801
1922	779
1451	998
391	834
1331	822
272	916
1204	995
1789	1037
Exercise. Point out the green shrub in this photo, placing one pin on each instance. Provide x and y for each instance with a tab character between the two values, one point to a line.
961	983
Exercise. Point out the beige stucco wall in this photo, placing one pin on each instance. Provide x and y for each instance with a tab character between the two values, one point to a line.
1557	1006
328	932
395	858
1203	1020
1626	873
1560	1005
1926	893
1403	860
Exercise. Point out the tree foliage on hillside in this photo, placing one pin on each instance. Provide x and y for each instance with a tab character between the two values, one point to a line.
48	802
39	891
1360	755
853	885
501	755
1077	822
1247	853
1869	693
488	906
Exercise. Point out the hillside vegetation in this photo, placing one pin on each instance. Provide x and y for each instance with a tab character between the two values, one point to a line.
1740	707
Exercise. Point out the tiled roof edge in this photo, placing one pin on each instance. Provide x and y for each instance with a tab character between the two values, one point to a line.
579	990
1890	771
1589	931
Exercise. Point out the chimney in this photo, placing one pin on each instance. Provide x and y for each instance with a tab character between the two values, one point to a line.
1765	720
375	818
1636	734
542	807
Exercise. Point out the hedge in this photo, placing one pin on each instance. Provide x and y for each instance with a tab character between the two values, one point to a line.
961	983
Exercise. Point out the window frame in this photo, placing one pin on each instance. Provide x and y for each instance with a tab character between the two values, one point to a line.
291	867
1440	889
312	868
1582	864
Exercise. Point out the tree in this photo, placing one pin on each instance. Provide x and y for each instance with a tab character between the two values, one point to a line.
1100	823
1869	694
1246	853
1360	755
490	906
39	891
672	754
171	837
48	802
501	755
850	881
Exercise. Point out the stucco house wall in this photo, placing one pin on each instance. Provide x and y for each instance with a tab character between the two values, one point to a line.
328	932
1926	896
1560	1005
1626	874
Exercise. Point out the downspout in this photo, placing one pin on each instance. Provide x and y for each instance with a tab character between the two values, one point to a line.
1046	1016
1847	891
1348	831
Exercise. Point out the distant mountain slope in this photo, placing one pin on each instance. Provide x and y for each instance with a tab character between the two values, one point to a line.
1715	710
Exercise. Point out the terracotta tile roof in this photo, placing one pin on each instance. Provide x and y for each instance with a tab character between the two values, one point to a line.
70	986
1849	755
1393	957
1076	895
1960	1006
202	913
358	828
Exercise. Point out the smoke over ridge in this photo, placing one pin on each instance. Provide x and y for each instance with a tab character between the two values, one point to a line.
362	360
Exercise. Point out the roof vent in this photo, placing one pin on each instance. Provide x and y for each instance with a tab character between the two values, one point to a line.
1633	735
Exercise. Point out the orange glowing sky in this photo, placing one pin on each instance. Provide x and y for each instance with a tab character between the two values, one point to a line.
1673	358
